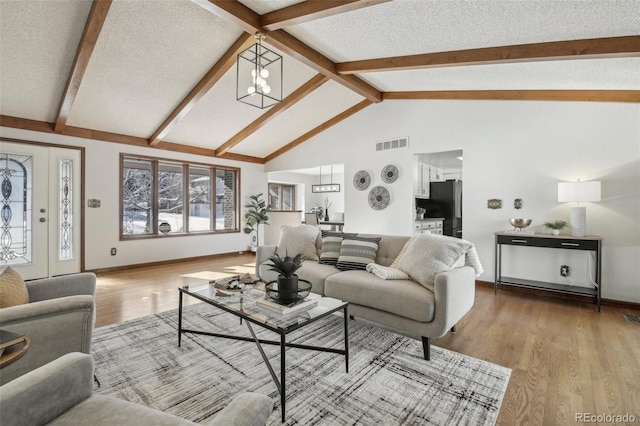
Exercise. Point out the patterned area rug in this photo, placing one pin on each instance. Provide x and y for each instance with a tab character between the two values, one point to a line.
389	382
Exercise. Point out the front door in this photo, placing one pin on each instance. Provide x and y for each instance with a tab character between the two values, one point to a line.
40	218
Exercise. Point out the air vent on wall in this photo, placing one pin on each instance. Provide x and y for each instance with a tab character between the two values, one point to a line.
392	144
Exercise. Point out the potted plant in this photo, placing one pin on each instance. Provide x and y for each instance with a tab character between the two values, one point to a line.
420	213
256	215
287	279
555	226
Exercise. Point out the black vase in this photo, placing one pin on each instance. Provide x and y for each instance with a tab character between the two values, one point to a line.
287	289
326	214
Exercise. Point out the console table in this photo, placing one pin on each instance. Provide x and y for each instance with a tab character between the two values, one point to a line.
590	243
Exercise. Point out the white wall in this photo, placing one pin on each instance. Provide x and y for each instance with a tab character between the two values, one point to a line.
511	150
102	161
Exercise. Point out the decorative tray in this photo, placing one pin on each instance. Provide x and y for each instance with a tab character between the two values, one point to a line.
235	284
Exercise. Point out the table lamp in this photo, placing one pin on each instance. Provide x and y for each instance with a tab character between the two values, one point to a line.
577	192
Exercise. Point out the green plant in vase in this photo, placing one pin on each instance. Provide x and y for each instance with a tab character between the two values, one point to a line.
556	226
286	268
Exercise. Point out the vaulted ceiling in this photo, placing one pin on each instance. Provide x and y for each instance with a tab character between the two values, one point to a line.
162	73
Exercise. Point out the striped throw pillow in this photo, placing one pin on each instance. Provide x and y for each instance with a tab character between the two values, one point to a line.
356	253
331	243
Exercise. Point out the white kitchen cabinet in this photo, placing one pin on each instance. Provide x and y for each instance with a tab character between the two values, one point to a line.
423	178
436	174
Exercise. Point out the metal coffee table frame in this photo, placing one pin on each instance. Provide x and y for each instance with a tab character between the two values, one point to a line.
281	383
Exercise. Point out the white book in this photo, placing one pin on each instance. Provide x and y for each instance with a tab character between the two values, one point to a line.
308	303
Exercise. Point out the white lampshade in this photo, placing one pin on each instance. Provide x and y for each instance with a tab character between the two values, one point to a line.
578	191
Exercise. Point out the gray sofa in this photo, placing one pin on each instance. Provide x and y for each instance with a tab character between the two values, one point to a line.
58	319
61	393
403	306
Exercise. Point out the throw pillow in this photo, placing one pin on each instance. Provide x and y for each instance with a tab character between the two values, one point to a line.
357	252
331	243
426	255
13	291
298	239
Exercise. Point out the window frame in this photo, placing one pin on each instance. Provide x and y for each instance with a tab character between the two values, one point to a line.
280	186
185	165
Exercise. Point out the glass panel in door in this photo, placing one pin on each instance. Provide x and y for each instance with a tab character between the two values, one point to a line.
24	209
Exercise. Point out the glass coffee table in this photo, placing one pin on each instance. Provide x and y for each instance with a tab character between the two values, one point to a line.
242	304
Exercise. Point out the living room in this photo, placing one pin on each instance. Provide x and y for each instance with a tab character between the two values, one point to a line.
513	149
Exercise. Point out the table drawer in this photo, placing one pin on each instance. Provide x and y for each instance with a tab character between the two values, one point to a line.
532	241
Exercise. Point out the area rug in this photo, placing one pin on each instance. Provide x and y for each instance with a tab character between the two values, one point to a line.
389	382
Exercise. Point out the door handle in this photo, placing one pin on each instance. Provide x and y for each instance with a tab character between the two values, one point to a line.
42	219
43	210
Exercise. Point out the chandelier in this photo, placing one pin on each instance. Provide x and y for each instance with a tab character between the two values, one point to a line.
259	78
327	187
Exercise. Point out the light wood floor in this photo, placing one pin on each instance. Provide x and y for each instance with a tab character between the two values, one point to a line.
566	358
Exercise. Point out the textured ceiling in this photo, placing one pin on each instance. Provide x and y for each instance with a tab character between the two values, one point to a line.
150	55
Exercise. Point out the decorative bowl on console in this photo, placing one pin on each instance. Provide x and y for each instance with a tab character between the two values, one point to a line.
519	224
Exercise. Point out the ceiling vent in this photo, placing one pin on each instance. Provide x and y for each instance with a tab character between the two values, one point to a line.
393	144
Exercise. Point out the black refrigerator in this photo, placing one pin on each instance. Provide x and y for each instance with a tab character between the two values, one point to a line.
445	200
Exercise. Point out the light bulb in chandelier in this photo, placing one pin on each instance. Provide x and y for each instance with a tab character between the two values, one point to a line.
266	89
254	74
264	73
251	90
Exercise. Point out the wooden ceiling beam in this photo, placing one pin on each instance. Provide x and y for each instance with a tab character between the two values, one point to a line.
632	96
92	29
310	10
290	45
319	129
41	126
224	64
273	112
248	20
611	47
233	11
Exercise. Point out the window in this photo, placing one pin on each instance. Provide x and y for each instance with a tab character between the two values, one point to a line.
154	192
282	197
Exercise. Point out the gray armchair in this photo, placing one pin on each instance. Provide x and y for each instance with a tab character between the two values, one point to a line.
61	393
58	319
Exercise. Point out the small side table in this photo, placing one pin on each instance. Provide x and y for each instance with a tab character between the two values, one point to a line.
14	352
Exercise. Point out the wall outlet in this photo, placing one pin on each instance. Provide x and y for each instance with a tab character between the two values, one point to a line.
113	251
564	270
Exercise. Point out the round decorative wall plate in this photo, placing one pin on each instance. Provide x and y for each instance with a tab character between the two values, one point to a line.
379	198
390	173
362	180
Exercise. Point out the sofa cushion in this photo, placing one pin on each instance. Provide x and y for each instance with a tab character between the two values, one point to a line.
298	239
357	252
331	243
405	298
426	255
13	290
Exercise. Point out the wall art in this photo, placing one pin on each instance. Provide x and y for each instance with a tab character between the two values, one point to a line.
389	173
494	203
379	198
362	180
517	203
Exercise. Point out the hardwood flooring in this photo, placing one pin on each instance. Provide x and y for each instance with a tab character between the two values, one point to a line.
566	358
